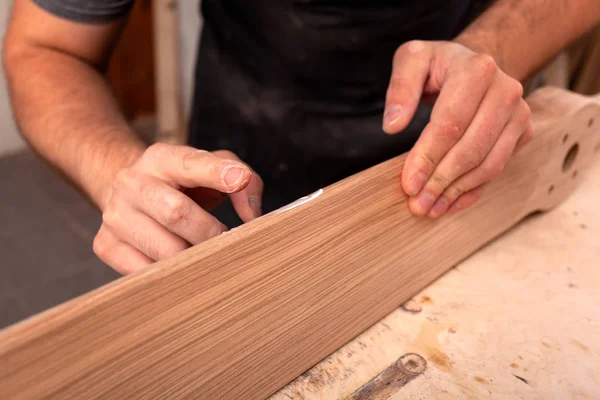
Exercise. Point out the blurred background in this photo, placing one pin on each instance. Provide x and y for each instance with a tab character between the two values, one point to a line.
47	228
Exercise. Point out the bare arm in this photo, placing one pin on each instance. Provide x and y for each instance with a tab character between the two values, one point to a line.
65	110
524	35
61	100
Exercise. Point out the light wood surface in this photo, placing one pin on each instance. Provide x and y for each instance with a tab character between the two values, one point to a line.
245	313
520	319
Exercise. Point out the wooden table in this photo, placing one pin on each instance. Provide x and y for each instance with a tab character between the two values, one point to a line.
520	319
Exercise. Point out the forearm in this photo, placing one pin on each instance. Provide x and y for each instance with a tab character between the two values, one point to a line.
65	110
524	35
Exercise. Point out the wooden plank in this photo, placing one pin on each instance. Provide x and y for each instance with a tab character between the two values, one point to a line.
241	315
517	320
171	123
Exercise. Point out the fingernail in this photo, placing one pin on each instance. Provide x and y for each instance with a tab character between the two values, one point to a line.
391	115
415	184
425	201
232	175
438	207
255	204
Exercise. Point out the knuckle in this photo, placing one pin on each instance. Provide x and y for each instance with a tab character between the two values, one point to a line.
517	88
491	170
453	192
425	162
176	211
487	131
474	157
514	93
450	129
123	178
155	150
484	65
111	215
99	246
525	112
439	182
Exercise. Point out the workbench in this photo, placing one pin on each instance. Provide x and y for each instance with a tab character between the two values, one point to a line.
301	295
519	319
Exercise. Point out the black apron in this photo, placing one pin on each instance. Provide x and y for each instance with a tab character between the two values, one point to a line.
297	88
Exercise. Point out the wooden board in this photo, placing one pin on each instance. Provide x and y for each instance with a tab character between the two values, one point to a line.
517	320
243	314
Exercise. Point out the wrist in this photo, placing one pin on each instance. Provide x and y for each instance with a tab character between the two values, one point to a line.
118	159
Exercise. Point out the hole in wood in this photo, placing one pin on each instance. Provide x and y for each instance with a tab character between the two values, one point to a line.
570	157
590	122
551	189
565	138
574	174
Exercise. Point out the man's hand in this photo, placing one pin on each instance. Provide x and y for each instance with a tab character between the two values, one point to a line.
478	121
156	207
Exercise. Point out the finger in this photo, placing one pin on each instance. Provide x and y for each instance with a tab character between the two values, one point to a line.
142	232
247	202
118	255
172	209
410	70
491	167
497	107
188	167
459	99
467	200
524	139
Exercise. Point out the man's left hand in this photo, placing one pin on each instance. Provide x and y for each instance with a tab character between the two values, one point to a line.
479	120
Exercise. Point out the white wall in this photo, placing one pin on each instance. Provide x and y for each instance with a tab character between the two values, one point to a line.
10	140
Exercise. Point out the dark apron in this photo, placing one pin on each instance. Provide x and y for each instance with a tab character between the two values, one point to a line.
296	88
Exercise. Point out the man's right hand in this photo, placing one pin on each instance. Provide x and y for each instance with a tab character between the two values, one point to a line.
158	206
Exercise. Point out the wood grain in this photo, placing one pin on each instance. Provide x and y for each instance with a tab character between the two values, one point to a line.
243	314
516	320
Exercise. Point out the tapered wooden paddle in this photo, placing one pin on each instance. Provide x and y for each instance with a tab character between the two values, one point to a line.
241	315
